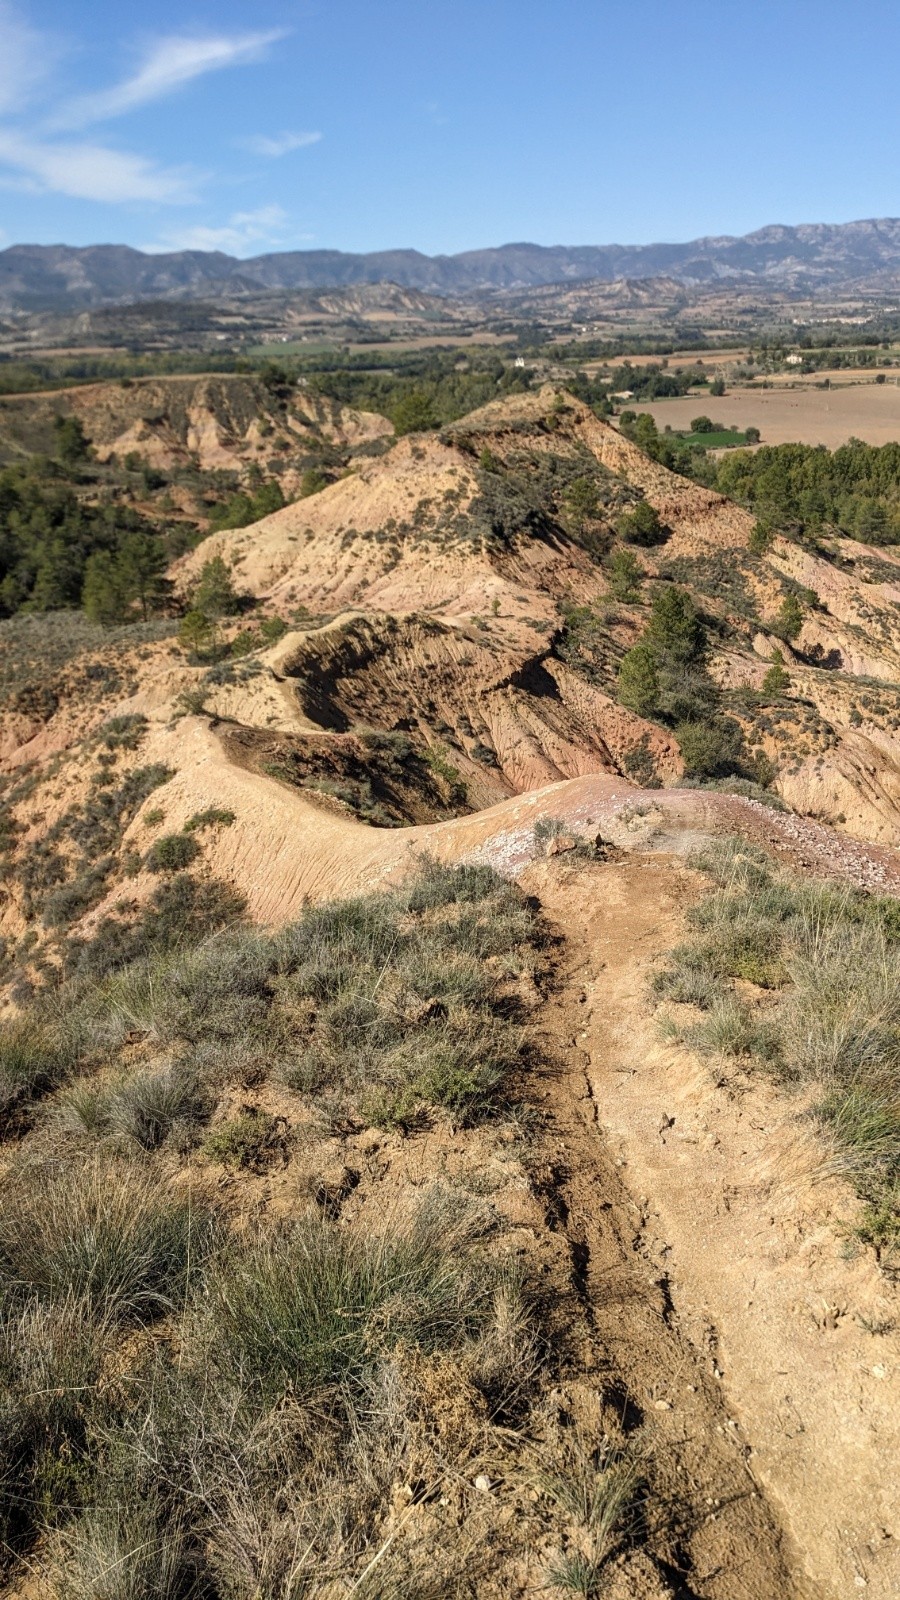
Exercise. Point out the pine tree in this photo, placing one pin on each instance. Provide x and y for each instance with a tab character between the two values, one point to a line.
638	681
141	564
215	593
197	635
104	596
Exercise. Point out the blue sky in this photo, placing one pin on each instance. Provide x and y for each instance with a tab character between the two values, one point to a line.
440	124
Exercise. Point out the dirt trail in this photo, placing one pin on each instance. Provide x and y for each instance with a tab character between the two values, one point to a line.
708	1231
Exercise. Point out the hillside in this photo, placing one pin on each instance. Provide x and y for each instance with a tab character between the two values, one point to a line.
47	277
217	422
451	972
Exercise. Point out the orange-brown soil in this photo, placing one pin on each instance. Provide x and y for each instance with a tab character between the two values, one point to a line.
432	696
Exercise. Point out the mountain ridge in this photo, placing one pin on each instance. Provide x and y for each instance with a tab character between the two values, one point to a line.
809	255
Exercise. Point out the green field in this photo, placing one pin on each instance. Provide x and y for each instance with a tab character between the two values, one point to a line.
291	347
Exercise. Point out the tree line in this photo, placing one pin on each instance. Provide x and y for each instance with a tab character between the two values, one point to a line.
801	490
807	490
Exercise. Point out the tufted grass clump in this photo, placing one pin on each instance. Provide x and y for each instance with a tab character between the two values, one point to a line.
105	1234
312	1309
37	1054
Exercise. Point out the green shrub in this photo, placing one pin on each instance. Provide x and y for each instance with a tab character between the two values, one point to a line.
70	901
625	575
642	525
710	749
212	817
789	620
776	681
244	1141
214	595
760	539
313	481
172	852
414	414
664	677
638	680
198	635
123	733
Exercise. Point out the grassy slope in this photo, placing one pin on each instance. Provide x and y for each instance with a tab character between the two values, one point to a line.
802	979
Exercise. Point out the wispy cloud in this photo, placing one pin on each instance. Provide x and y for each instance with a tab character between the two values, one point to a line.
26	58
241	234
278	144
50	152
168	65
92	172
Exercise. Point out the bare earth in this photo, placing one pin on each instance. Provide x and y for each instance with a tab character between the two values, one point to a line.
739	1224
868	411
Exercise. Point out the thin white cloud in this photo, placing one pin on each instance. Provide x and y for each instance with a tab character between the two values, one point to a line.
170	64
47	154
91	172
279	144
244	232
26	58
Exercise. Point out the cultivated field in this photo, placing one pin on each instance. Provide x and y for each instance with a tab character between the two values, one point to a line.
868	411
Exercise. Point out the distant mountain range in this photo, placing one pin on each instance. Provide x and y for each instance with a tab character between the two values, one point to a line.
815	255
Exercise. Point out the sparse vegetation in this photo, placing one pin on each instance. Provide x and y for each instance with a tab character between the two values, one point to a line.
299	1293
599	1491
320	1339
824	962
212	817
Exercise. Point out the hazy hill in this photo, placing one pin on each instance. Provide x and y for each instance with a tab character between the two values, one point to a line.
36	277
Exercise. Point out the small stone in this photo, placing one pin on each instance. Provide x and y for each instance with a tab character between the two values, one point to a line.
483	1483
663	1405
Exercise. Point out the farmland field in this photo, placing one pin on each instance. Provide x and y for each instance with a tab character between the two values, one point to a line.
868	411
719	439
